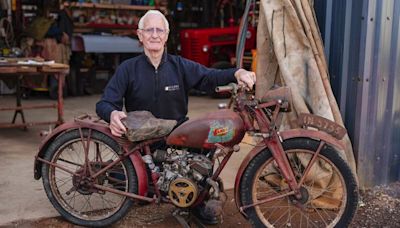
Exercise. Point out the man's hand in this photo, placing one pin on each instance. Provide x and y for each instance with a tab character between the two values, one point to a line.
245	77
116	126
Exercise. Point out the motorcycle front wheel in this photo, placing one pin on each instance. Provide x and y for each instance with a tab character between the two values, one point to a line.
73	195
329	194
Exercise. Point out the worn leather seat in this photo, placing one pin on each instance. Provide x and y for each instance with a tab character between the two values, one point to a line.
142	125
280	93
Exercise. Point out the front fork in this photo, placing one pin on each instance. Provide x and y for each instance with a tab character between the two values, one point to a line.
274	144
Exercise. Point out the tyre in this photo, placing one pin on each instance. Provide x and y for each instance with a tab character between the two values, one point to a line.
329	191
72	195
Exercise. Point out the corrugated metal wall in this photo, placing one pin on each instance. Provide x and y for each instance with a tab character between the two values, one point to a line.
362	43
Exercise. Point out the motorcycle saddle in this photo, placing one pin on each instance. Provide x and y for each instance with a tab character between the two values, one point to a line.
280	93
142	125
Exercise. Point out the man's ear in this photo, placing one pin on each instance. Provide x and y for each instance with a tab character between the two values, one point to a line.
140	35
167	36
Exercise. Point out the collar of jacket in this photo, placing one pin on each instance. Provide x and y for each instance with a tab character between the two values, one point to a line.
163	58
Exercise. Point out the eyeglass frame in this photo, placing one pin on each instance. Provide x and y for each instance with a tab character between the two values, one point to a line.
158	31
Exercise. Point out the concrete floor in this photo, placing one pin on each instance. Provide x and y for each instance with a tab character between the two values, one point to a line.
21	196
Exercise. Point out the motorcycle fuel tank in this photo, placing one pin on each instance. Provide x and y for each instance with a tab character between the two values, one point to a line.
223	126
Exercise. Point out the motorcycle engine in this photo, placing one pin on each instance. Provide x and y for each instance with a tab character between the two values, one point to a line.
182	175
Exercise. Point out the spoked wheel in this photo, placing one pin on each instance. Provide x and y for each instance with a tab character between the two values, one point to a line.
73	194
327	198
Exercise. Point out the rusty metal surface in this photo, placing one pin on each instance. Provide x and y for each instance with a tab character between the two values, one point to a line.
257	149
314	134
28	124
94	123
68	126
321	123
28	107
141	172
127	194
267	199
295	133
223	126
282	161
281	93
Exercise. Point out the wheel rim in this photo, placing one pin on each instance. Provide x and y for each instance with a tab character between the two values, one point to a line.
74	193
323	202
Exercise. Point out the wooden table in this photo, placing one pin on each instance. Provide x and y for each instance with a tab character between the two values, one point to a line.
17	72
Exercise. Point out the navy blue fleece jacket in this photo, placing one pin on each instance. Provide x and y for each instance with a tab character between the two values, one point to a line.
163	91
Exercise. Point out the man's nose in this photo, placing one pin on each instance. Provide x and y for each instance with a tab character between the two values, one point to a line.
154	32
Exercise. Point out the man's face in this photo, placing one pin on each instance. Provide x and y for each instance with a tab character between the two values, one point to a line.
154	33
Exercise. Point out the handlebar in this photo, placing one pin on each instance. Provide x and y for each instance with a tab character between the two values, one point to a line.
231	87
221	89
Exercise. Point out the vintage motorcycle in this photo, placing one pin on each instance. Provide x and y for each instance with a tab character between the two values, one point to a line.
291	178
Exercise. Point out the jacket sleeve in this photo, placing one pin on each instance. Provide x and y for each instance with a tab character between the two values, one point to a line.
205	79
113	95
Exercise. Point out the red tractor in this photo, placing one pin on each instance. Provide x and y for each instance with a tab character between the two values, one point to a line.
214	47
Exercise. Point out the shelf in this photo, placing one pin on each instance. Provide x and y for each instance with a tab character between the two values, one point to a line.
111	6
116	29
105	26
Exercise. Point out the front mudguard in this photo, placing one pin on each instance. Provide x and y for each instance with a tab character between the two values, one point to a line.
284	135
135	157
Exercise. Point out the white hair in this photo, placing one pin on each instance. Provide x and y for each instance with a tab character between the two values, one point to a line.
155	12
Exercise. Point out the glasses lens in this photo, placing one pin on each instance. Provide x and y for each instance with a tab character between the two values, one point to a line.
159	31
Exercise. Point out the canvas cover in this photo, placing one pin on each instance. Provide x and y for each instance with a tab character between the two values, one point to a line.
290	53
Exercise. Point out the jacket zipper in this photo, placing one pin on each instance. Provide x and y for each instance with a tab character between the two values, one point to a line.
156	90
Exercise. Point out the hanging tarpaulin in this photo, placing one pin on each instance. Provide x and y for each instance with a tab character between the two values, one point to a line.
290	52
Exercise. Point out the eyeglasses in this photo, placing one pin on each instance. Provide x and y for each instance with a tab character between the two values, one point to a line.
158	31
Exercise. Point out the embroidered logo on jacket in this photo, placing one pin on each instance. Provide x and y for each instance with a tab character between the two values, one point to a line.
171	88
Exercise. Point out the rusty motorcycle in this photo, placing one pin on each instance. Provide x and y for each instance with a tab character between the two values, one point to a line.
291	178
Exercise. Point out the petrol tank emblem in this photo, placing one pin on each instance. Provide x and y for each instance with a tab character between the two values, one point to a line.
220	131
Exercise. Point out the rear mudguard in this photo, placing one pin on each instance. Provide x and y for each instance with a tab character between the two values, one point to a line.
284	135
135	157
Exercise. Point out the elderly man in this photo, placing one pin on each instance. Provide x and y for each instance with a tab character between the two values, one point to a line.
159	82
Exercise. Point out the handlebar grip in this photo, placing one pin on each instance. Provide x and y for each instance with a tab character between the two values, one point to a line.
221	89
231	87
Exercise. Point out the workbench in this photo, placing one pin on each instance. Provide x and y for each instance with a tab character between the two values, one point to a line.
17	70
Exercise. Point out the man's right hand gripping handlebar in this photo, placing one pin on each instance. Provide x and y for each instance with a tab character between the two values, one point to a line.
247	78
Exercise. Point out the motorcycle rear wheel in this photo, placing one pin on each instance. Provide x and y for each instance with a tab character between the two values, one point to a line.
79	203
329	192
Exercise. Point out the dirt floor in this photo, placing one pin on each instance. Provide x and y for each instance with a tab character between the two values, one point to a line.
379	207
